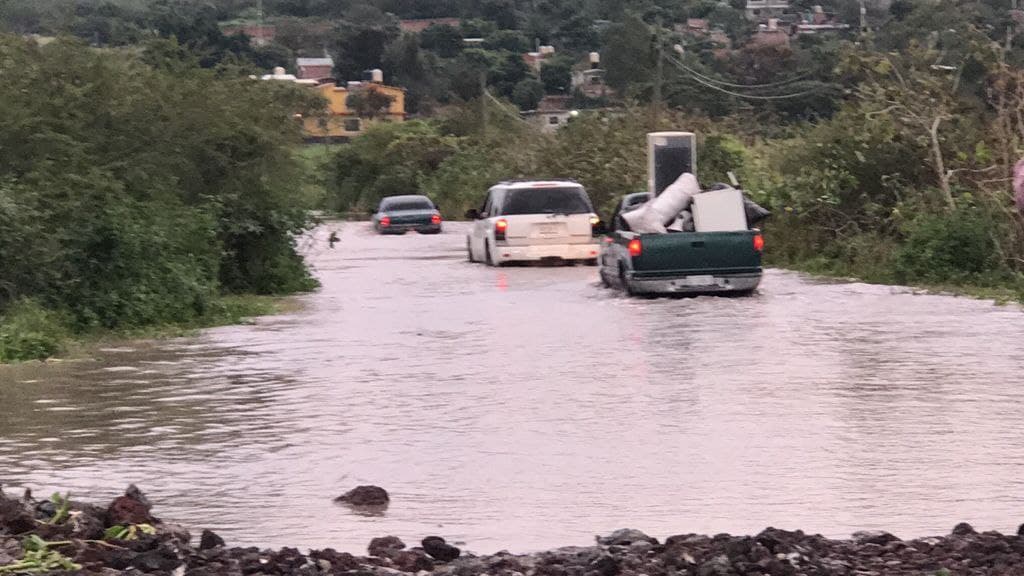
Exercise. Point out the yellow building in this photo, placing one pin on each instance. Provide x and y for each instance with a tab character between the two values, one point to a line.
343	121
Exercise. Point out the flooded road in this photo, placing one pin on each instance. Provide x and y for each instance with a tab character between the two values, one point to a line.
526	408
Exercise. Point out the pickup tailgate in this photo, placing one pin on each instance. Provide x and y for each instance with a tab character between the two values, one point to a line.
693	253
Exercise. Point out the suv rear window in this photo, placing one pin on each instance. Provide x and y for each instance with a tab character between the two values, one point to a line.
411	204
569	200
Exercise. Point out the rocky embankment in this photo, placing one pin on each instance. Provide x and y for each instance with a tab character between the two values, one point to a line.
61	537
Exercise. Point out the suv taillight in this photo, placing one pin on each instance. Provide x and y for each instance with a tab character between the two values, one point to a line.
500	228
595	226
635	247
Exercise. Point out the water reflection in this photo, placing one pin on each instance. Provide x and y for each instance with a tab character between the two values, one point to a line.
542	412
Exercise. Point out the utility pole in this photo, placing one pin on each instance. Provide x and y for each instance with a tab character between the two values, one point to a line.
483	102
659	75
259	22
1011	28
863	18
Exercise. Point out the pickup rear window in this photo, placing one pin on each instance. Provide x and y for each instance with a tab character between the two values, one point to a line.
569	200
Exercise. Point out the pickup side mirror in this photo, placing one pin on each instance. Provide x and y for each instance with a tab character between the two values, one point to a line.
473	214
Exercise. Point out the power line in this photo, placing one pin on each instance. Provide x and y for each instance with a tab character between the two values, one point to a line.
750	86
698	79
503	108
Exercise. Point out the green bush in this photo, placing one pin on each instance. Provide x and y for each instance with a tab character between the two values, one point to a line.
29	332
955	247
134	194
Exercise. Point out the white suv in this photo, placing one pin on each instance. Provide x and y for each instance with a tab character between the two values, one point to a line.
534	220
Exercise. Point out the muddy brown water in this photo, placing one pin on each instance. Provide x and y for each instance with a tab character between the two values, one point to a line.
525	408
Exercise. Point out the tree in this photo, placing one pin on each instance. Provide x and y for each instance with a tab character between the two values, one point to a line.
629	55
920	96
361	47
501	12
443	40
507	70
556	74
369	103
510	40
528	94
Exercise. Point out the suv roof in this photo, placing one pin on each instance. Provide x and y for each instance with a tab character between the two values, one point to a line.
405	197
526	184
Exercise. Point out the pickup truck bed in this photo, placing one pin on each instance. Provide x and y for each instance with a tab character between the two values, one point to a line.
682	262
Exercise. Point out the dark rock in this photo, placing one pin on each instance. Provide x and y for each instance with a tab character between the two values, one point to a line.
717	566
410	561
874	537
739	548
607	565
14	517
156	560
126	510
339	561
385	546
284	561
365	496
439	549
625	537
964	529
209	540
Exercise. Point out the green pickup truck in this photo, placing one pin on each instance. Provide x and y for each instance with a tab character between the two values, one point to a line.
678	262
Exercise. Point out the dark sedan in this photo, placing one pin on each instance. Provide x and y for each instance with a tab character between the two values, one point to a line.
399	214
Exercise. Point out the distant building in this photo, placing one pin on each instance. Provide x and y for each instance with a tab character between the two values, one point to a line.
817	21
280	74
420	24
590	81
342	122
769	34
535	59
551	114
258	35
314	68
694	26
762	10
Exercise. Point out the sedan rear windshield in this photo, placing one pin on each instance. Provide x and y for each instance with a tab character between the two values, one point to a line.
407	205
571	200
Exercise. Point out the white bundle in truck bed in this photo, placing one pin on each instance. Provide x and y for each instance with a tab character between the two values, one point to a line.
656	214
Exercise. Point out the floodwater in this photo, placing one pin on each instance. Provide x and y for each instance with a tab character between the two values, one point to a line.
527	408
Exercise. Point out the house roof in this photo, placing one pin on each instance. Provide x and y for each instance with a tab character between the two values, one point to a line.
314	62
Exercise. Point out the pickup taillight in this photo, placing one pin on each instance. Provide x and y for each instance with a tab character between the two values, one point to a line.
636	247
759	243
